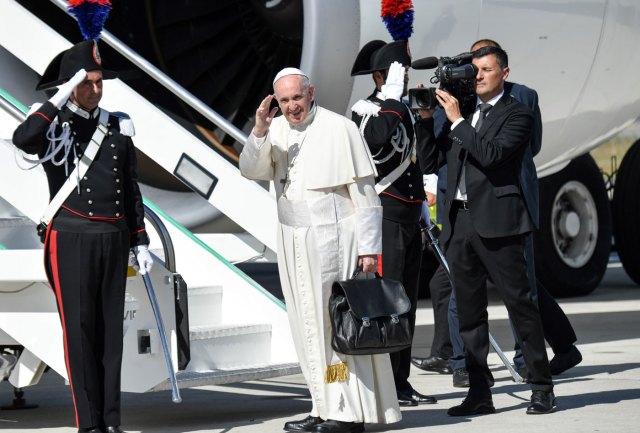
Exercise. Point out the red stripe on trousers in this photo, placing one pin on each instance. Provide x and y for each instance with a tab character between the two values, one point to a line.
52	241
380	264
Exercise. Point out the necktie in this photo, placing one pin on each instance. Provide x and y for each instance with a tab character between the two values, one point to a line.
484	109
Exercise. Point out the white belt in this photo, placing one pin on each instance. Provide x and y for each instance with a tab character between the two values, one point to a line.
328	209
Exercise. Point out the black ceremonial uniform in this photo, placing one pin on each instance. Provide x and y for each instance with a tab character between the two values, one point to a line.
389	133
87	250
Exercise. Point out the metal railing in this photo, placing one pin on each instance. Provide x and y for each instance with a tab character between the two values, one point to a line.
12	106
166	81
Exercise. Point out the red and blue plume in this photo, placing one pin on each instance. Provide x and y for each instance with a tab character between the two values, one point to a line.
91	15
398	17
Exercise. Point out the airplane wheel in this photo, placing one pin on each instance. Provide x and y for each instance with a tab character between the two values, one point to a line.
626	212
574	240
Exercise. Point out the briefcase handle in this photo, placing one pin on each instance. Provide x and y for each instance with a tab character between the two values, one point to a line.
358	271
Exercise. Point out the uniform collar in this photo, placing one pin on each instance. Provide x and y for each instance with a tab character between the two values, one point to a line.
82	112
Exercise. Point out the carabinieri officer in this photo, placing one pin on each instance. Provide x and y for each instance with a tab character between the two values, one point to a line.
88	239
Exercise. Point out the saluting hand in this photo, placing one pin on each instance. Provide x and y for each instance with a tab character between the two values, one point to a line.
264	117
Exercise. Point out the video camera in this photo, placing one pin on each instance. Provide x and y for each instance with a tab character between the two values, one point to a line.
455	74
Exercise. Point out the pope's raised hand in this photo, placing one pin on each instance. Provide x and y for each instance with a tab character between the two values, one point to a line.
264	116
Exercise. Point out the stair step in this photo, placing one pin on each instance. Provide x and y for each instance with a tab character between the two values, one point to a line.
225	347
207	332
205	306
189	379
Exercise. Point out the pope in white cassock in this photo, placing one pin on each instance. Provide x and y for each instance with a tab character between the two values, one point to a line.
329	221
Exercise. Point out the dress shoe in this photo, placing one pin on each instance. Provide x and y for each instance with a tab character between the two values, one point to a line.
405	400
332	426
473	406
113	429
563	361
306	424
422	398
415	398
89	430
432	363
460	378
541	402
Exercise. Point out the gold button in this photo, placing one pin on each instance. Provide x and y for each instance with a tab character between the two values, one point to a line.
90	213
90	202
117	214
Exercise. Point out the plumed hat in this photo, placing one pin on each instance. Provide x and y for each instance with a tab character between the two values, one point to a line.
91	16
84	55
378	56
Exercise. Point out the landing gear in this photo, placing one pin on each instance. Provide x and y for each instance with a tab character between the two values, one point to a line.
626	212
574	240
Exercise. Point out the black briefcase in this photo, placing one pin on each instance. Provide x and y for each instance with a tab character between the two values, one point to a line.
369	316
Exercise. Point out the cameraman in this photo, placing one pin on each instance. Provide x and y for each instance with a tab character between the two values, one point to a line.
485	227
395	138
557	328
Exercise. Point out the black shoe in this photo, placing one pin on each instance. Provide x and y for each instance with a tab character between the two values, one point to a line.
432	363
405	400
306	424
332	426
541	402
561	362
422	398
414	398
473	406
89	430
460	378
113	429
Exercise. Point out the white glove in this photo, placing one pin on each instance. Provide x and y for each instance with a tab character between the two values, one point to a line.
141	259
65	90
393	88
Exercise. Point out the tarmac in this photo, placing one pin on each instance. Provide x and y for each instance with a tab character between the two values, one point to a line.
602	394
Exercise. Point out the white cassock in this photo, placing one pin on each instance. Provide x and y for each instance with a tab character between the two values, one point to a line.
328	214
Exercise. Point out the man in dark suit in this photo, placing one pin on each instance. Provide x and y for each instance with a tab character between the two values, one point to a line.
557	328
485	227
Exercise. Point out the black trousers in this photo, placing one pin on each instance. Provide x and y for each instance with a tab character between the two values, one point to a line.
472	259
401	258
88	274
556	325
440	289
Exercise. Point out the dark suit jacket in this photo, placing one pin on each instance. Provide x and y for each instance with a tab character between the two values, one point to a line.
528	174
493	165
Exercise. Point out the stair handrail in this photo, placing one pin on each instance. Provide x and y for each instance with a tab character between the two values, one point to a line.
12	106
166	81
167	244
